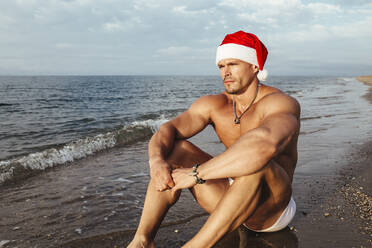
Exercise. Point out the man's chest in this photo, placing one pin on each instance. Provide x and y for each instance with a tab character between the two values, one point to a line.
225	127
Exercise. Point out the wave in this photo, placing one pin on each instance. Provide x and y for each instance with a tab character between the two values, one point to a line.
352	113
22	167
316	117
6	104
347	79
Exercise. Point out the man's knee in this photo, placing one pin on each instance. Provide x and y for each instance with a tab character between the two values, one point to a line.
258	176
186	154
182	146
209	194
255	178
179	152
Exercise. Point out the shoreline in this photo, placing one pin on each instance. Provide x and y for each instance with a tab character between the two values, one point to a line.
365	79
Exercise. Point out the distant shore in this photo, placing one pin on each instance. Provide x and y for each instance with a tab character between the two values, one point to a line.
365	79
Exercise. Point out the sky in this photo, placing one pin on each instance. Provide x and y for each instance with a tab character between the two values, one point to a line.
164	37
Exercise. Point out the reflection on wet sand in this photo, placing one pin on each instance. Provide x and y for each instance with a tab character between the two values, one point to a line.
243	238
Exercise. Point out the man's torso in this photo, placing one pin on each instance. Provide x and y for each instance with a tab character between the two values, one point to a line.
222	119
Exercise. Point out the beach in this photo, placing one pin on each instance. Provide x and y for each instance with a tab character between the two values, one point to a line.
96	201
365	79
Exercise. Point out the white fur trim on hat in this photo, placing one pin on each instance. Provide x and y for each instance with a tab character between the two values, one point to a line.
262	75
235	51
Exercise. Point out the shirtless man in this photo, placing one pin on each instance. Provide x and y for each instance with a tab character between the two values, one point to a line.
249	183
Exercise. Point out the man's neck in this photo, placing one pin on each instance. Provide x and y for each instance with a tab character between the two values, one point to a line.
245	98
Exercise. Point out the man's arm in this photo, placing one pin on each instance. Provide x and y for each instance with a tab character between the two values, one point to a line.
187	124
253	150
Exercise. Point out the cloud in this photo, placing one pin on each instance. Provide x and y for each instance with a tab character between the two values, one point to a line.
261	19
63	45
360	9
147	4
113	26
6	22
122	25
281	13
359	30
185	11
323	8
172	51
253	4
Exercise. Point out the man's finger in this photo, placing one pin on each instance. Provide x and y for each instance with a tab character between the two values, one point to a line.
161	186
171	183
174	190
162	189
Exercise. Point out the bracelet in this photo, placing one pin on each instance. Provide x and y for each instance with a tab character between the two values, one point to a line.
195	175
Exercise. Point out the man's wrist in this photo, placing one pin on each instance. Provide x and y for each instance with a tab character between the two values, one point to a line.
155	160
195	174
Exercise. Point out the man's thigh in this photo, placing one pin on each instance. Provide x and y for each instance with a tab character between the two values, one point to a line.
186	154
275	188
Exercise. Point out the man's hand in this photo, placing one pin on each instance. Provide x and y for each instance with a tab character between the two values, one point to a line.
160	172
183	178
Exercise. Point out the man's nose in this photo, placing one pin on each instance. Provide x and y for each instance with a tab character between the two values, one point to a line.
227	72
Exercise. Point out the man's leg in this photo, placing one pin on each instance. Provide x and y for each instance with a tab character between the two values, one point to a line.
184	154
246	199
238	203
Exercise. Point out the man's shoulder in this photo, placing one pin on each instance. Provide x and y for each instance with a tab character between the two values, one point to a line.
275	100
207	104
212	100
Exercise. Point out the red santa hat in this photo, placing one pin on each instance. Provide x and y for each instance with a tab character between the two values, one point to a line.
246	47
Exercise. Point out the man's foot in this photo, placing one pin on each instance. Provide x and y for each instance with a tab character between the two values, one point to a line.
141	242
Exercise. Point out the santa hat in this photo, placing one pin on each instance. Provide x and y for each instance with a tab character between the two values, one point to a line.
246	47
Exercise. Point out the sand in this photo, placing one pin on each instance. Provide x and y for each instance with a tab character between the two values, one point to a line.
365	79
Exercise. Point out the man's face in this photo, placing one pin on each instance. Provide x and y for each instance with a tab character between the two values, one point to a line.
236	74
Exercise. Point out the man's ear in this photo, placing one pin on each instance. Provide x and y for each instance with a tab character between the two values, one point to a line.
255	68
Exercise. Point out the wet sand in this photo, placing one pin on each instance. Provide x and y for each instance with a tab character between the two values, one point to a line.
334	209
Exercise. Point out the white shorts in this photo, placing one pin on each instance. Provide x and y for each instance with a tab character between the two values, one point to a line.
284	219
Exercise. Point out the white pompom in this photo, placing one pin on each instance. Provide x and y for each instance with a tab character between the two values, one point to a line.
262	75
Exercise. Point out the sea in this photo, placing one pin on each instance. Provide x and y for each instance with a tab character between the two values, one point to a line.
73	149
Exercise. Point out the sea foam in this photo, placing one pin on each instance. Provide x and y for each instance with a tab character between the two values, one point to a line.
21	167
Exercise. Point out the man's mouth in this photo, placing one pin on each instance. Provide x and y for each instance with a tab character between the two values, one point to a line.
228	81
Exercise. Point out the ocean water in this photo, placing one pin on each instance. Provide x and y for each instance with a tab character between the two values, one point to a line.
46	121
73	149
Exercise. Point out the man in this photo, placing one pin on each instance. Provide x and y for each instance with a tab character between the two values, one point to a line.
259	126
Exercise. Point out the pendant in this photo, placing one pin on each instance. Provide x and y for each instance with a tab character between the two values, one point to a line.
237	121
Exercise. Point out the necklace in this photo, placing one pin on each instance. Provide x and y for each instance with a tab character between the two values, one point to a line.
237	118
